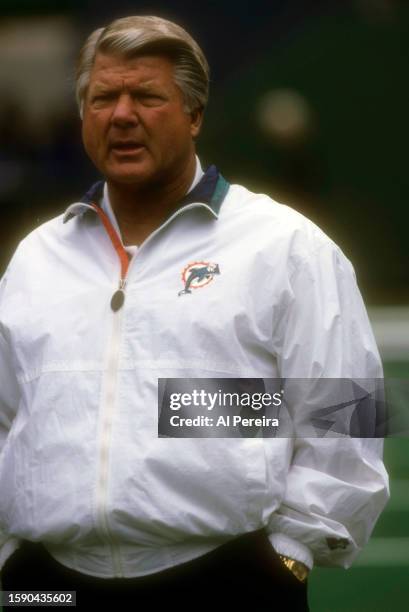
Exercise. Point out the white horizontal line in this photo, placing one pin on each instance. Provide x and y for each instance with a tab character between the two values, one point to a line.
390	326
399	495
389	313
384	552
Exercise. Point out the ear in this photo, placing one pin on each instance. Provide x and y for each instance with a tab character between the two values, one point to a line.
196	118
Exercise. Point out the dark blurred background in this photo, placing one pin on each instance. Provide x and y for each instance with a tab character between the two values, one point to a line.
308	103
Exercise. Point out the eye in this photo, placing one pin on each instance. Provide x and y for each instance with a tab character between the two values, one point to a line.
150	99
102	98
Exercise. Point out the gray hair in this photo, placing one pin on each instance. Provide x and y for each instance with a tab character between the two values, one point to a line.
132	36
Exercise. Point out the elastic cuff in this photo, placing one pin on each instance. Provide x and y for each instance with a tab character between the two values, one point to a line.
7	549
288	547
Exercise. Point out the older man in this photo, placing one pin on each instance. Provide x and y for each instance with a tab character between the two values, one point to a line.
166	271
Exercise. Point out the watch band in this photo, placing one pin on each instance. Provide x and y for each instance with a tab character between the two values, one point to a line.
299	570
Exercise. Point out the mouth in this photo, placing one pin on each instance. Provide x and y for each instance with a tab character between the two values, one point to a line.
126	147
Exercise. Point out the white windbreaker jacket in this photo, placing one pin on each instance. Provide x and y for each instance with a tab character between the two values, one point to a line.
81	466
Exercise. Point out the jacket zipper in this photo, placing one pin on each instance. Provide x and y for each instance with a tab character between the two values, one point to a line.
109	391
110	379
108	406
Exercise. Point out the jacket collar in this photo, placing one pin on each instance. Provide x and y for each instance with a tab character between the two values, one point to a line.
210	191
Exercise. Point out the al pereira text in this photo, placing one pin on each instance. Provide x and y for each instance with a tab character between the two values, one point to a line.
222	421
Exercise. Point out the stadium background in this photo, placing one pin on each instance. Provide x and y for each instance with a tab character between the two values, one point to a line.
308	103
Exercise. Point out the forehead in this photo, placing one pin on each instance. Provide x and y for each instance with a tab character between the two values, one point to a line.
111	69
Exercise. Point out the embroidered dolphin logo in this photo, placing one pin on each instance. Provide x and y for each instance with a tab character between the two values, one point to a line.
198	275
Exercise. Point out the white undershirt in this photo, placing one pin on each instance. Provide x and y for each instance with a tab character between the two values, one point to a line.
107	208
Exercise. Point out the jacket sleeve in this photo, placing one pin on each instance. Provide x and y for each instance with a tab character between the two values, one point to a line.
9	399
336	487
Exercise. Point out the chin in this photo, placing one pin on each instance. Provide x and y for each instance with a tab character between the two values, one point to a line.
130	177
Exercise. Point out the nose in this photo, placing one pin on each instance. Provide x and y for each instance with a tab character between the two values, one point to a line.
124	112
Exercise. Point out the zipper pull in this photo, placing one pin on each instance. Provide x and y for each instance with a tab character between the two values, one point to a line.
118	299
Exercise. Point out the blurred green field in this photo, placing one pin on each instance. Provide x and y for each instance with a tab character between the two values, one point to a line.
379	579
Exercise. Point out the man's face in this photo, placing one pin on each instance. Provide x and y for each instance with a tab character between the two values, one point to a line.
135	129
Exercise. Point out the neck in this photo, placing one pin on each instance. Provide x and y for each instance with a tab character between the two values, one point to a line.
140	209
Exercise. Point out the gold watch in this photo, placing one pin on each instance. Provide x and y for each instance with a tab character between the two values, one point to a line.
299	570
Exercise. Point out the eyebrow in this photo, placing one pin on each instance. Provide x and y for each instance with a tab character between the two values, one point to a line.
148	87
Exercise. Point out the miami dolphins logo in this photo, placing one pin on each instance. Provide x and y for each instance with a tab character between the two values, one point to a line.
197	275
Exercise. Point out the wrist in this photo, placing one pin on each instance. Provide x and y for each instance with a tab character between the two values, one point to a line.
292	548
300	570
